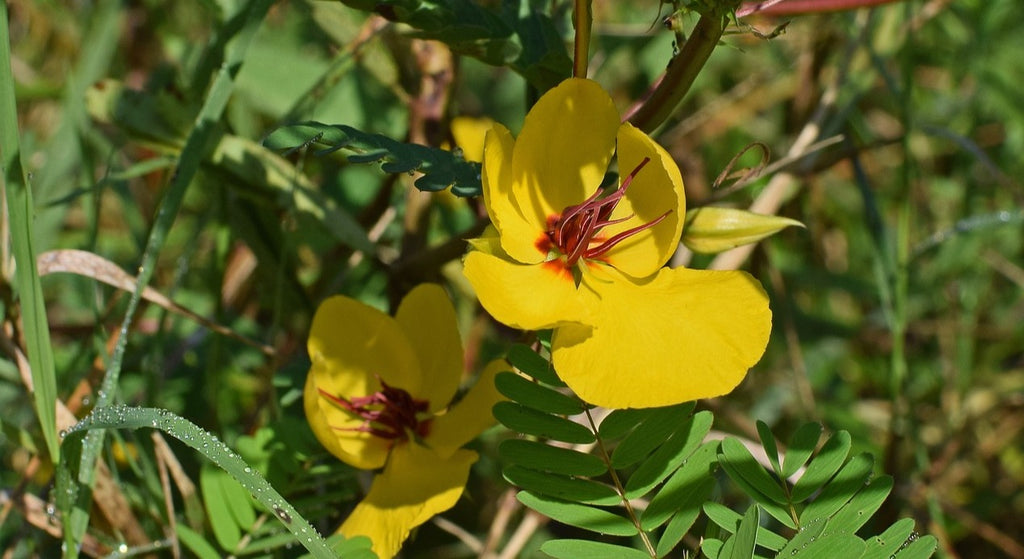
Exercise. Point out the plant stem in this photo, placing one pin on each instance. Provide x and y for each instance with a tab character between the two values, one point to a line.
619	488
682	70
582	20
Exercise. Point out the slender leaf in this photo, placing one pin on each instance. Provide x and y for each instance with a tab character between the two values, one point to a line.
808	534
522	357
440	169
581	516
528	421
670	455
694	479
194	542
861	507
536	395
681	522
21	212
746	534
575	549
218	509
731	521
561	487
770	448
543	457
827	462
801	446
123	417
847	482
896	537
650	434
834	546
230	49
620	422
741	466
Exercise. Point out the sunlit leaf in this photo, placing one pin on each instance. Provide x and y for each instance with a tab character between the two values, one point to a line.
575	549
846	483
824	465
581	516
528	421
650	434
522	357
741	466
536	396
539	456
801	446
669	455
561	487
693	480
620	422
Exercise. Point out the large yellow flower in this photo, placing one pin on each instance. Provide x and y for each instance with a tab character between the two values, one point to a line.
566	254
378	395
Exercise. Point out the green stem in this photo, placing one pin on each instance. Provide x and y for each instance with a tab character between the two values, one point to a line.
682	70
619	487
582	20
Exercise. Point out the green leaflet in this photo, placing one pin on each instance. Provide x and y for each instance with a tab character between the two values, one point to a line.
801	446
529	362
650	434
441	169
546	458
581	516
829	459
575	549
536	395
670	455
567	488
850	479
532	422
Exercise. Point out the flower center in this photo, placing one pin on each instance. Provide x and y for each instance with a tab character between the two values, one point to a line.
576	232
391	413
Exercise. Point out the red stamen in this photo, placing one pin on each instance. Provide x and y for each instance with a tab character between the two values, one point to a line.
576	231
391	413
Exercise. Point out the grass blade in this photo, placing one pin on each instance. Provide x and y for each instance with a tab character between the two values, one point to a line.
22	212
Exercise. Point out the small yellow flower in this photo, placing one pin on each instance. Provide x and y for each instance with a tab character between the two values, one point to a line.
566	254
378	395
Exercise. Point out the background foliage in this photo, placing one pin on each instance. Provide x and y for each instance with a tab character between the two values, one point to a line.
897	311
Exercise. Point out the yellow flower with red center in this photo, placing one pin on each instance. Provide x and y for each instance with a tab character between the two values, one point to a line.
378	395
588	261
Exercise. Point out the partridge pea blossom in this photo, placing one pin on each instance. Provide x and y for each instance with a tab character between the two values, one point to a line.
586	260
378	395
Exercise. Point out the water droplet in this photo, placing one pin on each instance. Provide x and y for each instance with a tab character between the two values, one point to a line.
86	400
282	514
63	433
123	548
248	470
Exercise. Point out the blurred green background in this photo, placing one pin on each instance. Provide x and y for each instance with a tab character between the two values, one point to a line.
898	310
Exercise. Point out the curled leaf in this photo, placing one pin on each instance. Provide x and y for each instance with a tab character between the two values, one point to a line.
709	230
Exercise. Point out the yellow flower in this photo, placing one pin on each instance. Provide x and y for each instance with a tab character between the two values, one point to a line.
566	254
378	395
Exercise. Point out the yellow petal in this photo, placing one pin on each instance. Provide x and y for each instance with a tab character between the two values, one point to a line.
518	234
416	484
563	151
471	416
524	296
350	346
469	133
684	335
428	319
709	230
657	188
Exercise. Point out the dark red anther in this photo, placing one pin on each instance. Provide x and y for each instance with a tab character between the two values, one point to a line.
391	413
576	232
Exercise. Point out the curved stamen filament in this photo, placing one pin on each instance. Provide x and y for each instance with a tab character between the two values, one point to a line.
575	231
391	413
